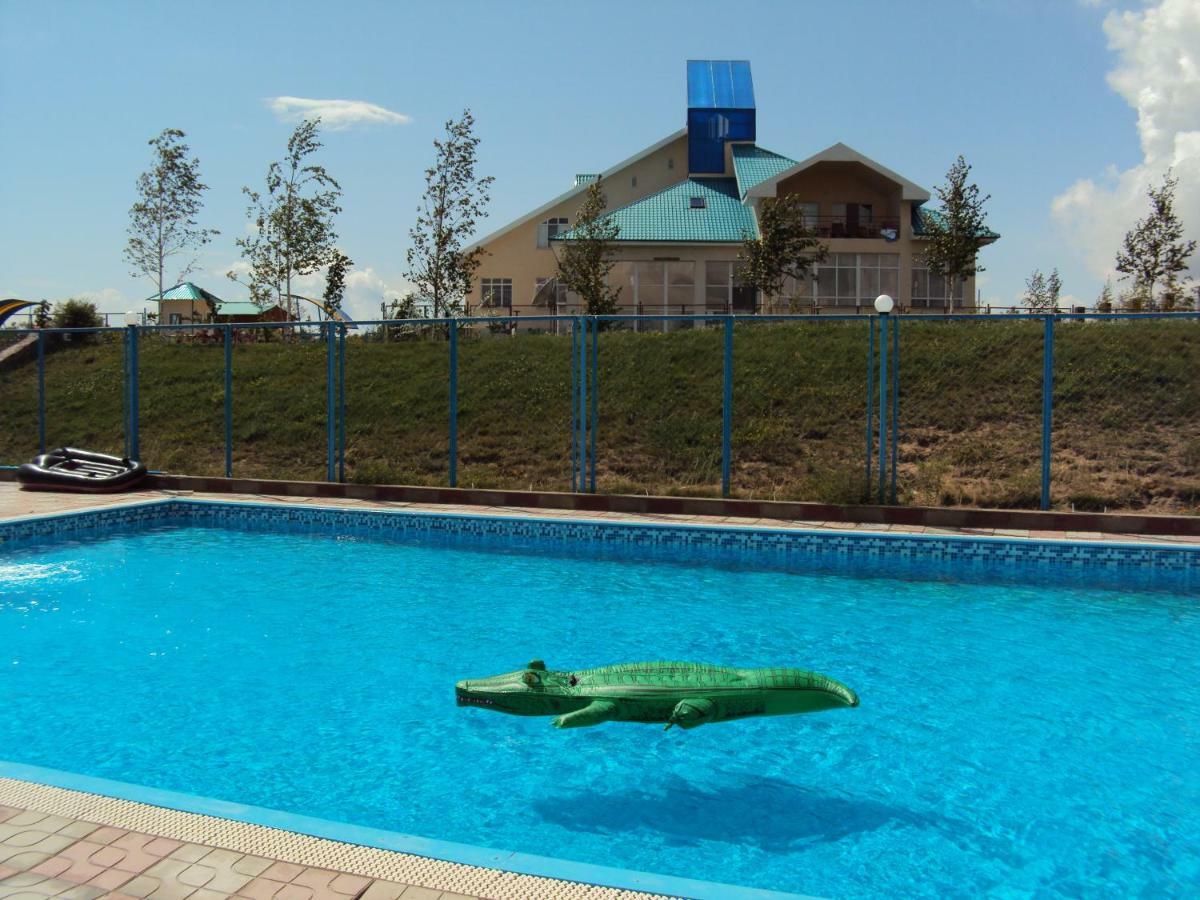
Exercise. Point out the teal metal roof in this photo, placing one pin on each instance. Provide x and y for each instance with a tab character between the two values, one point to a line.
920	215
753	165
237	308
670	216
185	291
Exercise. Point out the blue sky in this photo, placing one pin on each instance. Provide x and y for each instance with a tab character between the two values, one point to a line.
1020	87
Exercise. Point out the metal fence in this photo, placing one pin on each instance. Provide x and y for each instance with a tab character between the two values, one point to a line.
1080	411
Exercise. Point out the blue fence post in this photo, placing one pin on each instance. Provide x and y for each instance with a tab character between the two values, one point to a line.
895	386
125	388
594	412
883	412
341	327
134	440
228	401
727	407
574	404
870	398
583	423
1047	405
453	403
41	376
330	400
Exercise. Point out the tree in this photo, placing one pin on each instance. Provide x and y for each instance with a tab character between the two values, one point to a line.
335	281
294	233
162	223
1041	291
41	315
76	313
588	255
1105	303
785	247
1154	249
954	231
455	199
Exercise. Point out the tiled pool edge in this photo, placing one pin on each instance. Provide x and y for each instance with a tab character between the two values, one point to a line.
766	543
295	838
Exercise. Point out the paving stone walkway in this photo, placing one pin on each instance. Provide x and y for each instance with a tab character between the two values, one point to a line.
45	855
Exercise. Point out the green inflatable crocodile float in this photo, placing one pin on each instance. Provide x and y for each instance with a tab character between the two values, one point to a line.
677	693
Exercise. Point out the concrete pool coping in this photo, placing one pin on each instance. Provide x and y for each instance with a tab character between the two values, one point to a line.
443	862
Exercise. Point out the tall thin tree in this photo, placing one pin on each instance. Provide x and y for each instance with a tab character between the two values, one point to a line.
439	266
954	232
335	282
294	231
1154	249
162	223
588	255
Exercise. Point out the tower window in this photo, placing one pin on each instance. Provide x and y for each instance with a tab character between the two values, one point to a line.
698	203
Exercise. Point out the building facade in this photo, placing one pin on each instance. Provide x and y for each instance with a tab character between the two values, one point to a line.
685	204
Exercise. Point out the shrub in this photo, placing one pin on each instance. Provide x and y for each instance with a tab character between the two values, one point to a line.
76	313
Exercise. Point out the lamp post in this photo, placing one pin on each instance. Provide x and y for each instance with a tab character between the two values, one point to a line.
883	305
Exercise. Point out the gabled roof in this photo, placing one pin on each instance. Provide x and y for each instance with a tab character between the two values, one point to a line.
753	165
920	228
578	189
669	215
185	290
839	152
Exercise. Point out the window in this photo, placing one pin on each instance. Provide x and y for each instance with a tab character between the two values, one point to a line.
670	162
847	279
496	292
812	212
697	203
723	288
852	220
175	319
929	290
633	181
549	229
554	297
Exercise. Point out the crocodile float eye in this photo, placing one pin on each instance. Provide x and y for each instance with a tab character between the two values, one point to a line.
573	681
531	678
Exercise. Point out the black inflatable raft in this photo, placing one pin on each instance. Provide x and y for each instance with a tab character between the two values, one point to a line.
68	469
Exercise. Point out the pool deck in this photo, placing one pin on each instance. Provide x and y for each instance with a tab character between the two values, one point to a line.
56	842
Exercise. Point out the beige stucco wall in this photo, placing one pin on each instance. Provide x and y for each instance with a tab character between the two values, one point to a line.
516	255
189	311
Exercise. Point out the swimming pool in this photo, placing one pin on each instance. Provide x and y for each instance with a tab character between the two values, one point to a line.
1027	721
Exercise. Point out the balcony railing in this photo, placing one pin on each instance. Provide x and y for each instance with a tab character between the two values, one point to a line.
840	227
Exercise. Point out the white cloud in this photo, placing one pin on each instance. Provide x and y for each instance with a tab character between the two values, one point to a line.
108	300
336	115
1158	74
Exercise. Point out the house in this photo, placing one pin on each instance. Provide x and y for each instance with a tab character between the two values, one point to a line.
187	303
685	204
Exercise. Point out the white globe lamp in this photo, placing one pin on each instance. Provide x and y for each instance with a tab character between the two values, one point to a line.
884	304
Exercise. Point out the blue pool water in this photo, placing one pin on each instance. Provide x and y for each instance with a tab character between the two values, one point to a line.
1012	739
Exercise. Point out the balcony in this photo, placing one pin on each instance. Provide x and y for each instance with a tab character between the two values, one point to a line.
886	229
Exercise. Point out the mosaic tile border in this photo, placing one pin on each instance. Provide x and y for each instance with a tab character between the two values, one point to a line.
698	543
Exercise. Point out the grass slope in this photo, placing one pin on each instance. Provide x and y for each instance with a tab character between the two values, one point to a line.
1126	421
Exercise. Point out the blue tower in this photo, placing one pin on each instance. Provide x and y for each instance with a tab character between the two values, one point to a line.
720	109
